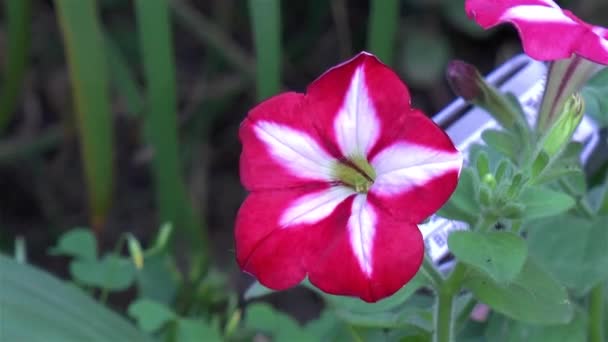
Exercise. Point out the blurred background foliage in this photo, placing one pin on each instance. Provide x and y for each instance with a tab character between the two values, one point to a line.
122	115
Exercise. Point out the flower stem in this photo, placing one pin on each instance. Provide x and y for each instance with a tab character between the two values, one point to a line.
444	322
443	317
596	314
432	274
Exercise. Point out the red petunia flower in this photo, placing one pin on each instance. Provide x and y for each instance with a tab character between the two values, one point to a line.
547	32
339	177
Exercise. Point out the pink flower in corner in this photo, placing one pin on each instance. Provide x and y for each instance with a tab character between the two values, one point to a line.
547	31
339	178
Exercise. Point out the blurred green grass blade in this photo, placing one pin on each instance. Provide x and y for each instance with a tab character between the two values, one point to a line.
265	16
122	79
84	43
382	29
18	31
35	306
161	120
212	35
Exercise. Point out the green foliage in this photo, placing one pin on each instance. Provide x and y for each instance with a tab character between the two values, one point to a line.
266	22
18	35
501	329
533	296
573	249
263	318
77	243
595	94
383	24
501	255
79	22
61	312
151	316
543	202
161	119
463	205
504	142
111	272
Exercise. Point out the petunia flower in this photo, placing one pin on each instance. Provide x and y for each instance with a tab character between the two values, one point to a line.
339	178
547	31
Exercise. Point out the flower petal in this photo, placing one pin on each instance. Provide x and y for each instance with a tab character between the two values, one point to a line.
355	102
417	173
314	207
277	253
402	166
355	250
280	147
371	259
356	126
547	32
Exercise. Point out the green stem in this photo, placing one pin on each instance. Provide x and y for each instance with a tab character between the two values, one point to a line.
444	322
443	317
431	272
596	314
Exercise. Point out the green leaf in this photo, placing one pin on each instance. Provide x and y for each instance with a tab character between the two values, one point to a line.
501	255
195	330
159	278
61	312
150	315
501	329
262	317
463	205
156	41
572	249
112	272
541	202
503	142
595	94
77	243
533	296
81	28
266	23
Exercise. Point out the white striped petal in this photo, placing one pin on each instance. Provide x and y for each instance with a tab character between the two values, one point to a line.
403	166
314	207
535	13
357	126
361	229
295	150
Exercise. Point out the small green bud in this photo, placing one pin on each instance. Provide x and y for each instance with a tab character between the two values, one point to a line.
233	323
466	81
136	252
560	133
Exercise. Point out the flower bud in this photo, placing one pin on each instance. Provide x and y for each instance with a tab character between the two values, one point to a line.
466	81
566	123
